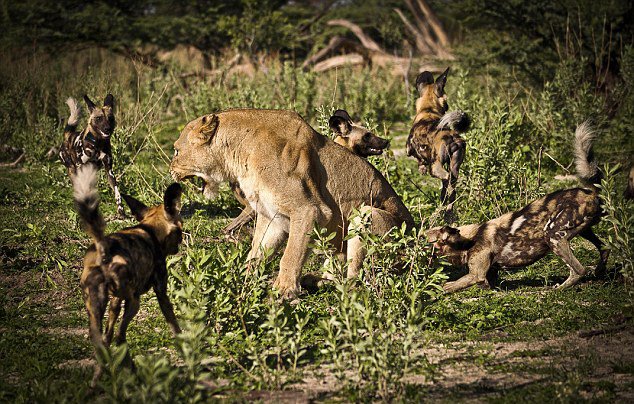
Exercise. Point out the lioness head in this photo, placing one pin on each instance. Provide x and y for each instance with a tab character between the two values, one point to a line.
195	155
432	95
355	138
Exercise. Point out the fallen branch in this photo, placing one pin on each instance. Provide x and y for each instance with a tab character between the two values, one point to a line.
366	41
350	59
15	162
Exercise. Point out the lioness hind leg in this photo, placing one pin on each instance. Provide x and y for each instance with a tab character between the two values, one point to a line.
381	223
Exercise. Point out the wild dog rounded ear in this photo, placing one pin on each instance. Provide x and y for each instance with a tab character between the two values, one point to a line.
137	207
340	122
424	79
172	199
440	83
89	103
109	101
208	127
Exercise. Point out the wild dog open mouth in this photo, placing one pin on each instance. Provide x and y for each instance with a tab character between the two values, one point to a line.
375	151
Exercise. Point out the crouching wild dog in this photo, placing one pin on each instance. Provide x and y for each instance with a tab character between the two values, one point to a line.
92	145
293	177
434	139
355	138
125	264
520	238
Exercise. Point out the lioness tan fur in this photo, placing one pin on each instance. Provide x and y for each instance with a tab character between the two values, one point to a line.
293	177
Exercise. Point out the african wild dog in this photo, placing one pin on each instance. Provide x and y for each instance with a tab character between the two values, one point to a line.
355	138
125	264
520	238
434	139
92	145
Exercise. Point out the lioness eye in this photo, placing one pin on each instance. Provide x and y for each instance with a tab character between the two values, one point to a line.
175	152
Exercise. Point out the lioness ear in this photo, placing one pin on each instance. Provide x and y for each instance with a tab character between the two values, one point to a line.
208	127
137	207
440	83
89	103
109	101
340	122
424	79
172	199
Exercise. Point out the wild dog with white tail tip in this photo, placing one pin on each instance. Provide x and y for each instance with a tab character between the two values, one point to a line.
434	139
125	264
521	238
92	145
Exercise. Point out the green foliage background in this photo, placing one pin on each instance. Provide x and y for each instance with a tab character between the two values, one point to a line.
526	72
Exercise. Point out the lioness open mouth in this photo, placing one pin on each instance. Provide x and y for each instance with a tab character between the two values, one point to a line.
208	188
198	182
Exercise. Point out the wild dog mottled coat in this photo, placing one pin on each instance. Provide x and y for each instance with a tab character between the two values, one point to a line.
434	139
92	145
125	264
520	238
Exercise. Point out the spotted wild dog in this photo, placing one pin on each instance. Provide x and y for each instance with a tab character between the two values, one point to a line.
434	139
125	264
353	137
92	145
521	238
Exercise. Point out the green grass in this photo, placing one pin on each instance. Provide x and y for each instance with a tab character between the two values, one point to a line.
383	337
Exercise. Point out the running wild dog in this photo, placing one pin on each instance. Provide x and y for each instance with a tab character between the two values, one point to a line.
521	238
434	139
92	145
125	264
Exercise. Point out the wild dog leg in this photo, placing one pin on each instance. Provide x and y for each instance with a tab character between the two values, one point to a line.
113	315
479	265
296	251
132	305
245	217
160	288
268	234
112	180
456	152
96	299
438	171
604	253
577	271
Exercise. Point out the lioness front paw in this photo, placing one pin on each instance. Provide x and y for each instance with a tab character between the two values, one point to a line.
287	290
448	287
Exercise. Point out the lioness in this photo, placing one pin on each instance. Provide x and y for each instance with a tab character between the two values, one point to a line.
293	177
355	138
